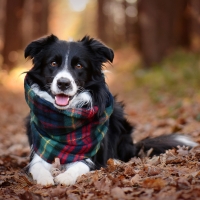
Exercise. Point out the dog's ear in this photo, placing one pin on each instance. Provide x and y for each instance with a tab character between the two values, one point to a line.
36	46
102	52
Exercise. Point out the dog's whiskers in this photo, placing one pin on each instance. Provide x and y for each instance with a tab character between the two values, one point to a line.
82	101
81	89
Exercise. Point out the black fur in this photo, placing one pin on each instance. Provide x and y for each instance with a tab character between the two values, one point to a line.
92	54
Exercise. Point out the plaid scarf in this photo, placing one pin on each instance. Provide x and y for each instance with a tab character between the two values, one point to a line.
71	134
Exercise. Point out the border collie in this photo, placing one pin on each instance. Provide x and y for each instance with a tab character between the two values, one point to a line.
67	77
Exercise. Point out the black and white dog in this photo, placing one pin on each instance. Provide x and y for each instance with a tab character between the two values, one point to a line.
70	75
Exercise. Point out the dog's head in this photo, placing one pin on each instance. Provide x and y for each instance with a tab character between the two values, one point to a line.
64	68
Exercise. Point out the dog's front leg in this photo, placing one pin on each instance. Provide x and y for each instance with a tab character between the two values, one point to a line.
40	171
73	171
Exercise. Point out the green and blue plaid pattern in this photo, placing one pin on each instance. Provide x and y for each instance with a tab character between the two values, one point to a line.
71	134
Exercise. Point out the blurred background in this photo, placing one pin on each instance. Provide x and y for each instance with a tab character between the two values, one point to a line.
156	69
155	72
156	43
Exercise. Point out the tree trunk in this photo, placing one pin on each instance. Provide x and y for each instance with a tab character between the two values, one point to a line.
162	27
2	22
148	31
194	25
12	33
126	23
101	21
40	17
131	25
35	19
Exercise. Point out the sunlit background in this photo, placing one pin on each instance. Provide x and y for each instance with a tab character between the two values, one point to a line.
155	73
156	43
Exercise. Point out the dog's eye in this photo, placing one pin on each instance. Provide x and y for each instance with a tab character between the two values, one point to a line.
54	64
78	66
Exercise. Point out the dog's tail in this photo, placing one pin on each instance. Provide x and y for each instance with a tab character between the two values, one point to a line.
158	145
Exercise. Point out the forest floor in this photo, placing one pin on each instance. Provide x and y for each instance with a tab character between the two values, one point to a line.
173	175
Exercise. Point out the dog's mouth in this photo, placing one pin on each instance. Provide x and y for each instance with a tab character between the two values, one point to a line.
62	99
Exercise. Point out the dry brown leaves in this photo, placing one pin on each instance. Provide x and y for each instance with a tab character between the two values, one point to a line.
169	176
173	175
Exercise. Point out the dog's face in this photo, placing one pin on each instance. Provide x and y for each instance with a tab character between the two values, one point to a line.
63	68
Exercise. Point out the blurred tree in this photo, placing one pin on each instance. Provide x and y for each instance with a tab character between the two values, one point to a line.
127	22
40	17
2	20
25	21
162	27
194	25
130	23
35	19
101	20
159	26
117	22
12	32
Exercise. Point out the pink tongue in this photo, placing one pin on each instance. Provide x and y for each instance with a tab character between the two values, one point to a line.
61	100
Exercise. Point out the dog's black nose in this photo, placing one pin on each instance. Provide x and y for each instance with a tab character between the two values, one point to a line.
63	83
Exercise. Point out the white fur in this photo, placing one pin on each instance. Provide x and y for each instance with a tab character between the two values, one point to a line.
39	168
64	74
73	171
83	98
185	140
78	100
40	171
42	94
67	57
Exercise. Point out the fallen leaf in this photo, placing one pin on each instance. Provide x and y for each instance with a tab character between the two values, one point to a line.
183	184
136	179
129	171
111	165
154	161
118	193
183	151
153	170
156	184
127	189
195	174
59	191
73	197
103	185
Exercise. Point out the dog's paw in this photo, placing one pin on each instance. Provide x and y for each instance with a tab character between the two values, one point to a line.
44	178
66	178
70	176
